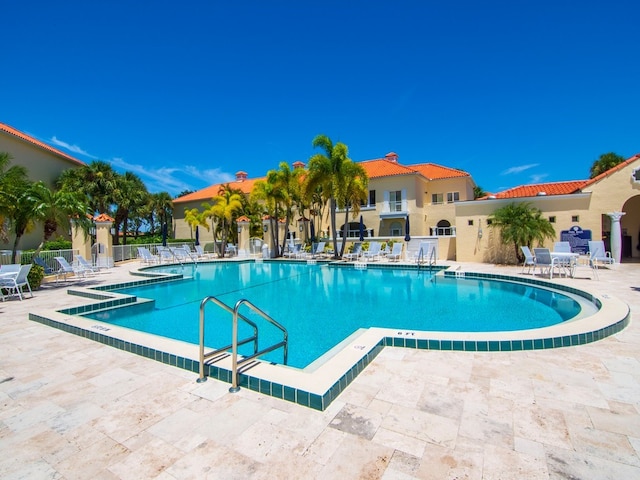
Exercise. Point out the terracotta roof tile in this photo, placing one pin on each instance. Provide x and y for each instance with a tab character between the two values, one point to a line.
435	172
211	191
613	169
384	168
533	190
23	136
103	217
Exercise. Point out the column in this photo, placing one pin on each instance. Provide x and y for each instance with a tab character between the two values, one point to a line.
616	235
104	239
81	241
244	235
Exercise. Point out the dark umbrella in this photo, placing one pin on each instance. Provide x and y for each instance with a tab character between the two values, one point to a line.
164	234
361	229
197	235
407	237
313	232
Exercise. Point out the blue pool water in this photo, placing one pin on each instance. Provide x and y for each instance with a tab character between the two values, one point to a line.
321	305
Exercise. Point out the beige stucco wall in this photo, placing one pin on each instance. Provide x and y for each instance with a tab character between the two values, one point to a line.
41	165
616	192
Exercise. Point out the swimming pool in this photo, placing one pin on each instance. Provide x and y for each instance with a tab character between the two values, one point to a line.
321	305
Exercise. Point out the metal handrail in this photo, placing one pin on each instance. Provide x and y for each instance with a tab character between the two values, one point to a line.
431	261
234	351
202	355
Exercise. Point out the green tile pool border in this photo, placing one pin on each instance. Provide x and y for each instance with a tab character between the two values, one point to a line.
301	397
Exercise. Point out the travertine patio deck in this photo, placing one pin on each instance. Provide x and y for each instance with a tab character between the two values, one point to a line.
73	408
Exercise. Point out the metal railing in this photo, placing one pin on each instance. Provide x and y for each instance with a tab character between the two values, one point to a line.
235	363
205	356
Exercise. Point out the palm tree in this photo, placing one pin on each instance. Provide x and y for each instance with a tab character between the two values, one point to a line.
195	218
268	192
130	195
226	205
326	172
97	180
13	180
521	224
353	192
288	183
605	162
161	208
58	208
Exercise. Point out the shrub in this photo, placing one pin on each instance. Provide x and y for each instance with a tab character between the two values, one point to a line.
57	244
36	274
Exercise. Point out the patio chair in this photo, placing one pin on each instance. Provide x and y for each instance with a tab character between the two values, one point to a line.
544	261
562	247
82	262
318	250
41	263
147	257
14	284
66	268
294	251
529	259
231	249
426	254
373	253
598	255
201	253
396	252
355	253
165	253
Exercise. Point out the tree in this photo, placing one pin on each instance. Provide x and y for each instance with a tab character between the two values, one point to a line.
226	205
605	162
13	180
353	192
160	208
478	192
97	180
268	192
521	224
326	173
130	196
195	218
58	208
288	185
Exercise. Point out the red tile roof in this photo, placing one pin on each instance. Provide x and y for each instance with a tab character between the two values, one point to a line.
554	188
437	172
103	217
23	136
384	168
558	188
211	191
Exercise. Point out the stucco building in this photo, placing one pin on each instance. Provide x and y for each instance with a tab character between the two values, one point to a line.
42	161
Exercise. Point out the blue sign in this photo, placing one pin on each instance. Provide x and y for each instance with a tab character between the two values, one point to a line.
577	238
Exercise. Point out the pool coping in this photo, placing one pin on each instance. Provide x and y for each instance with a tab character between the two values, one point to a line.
322	382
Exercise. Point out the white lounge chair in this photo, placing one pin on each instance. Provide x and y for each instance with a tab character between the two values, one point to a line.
147	257
373	253
598	255
294	251
82	262
201	253
66	269
14	283
396	252
529	259
355	252
318	250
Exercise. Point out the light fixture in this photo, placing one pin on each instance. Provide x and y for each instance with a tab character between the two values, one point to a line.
265	228
300	228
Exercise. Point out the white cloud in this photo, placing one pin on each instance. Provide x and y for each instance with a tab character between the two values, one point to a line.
71	148
538	178
520	169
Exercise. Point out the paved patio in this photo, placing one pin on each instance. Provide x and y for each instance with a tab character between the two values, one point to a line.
72	408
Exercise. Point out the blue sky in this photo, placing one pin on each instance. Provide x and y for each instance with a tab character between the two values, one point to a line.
185	94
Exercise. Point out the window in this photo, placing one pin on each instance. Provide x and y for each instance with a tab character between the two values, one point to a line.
443	229
396	229
489	221
552	219
372	198
575	218
453	197
395	201
470	223
437	198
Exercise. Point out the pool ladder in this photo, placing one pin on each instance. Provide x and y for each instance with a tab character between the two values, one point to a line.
431	261
235	363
